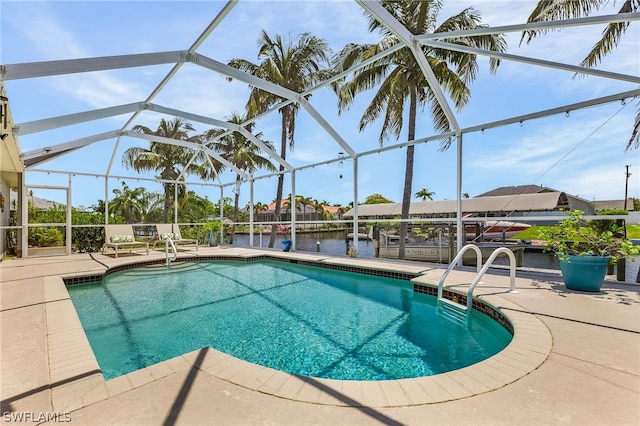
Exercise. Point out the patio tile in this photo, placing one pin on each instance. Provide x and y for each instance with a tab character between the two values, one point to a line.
178	363
118	385
414	392
160	370
394	393
140	377
585	354
374	396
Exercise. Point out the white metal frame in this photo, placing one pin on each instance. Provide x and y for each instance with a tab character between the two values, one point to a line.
35	157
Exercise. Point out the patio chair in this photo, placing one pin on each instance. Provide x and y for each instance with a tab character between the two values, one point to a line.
120	237
172	230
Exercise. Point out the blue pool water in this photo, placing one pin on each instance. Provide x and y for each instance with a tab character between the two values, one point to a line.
300	319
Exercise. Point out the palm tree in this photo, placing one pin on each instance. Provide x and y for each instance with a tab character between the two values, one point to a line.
304	202
424	193
296	66
194	208
168	160
259	207
152	207
401	81
549	10
289	201
319	207
128	202
242	153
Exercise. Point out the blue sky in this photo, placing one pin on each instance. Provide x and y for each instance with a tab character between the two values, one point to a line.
582	154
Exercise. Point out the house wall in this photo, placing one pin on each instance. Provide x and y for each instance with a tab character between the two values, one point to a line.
580	204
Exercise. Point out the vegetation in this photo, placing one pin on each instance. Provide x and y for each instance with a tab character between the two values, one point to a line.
633	232
548	10
376	199
296	66
169	160
401	81
83	238
241	153
570	237
425	194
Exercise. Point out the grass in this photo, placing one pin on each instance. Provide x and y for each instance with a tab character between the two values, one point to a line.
532	233
633	231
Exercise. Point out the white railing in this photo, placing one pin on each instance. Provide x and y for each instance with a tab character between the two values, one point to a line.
463	312
168	242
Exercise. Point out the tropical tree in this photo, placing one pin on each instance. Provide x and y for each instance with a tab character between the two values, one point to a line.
319	207
258	207
194	208
169	161
304	202
424	193
401	81
242	153
294	65
152	204
289	201
375	199
549	10
128	203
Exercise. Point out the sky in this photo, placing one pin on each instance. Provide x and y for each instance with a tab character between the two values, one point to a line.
581	153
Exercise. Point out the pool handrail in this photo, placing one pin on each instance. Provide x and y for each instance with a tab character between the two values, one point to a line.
455	261
487	265
166	248
481	270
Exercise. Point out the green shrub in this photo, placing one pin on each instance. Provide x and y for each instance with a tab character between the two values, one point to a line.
43	236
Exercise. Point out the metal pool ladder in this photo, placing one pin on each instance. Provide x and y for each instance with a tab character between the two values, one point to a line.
166	249
461	313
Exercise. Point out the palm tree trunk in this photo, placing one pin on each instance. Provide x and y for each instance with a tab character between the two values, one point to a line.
408	175
283	154
236	201
167	202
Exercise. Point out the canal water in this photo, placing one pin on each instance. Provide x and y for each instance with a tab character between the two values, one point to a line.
333	243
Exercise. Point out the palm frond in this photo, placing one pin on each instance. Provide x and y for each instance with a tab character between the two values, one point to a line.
634	140
553	10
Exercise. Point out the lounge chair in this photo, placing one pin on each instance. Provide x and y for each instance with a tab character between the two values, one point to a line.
171	230
120	237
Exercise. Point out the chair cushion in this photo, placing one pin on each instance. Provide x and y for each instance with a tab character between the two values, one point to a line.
172	235
122	239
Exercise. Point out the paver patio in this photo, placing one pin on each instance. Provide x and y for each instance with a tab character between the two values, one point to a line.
575	359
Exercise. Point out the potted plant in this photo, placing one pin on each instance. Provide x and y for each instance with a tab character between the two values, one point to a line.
586	251
212	228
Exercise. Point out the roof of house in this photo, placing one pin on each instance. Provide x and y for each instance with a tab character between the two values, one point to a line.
516	190
42	203
285	206
544	201
613	204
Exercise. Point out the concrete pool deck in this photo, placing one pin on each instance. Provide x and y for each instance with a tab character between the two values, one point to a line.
575	359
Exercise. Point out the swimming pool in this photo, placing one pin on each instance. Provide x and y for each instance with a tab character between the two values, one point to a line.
299	319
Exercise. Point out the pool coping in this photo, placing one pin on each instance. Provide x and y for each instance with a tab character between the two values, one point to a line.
74	366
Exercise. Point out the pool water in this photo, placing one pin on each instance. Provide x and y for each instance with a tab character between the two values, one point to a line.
300	319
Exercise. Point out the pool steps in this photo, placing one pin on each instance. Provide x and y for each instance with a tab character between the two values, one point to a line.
459	312
452	310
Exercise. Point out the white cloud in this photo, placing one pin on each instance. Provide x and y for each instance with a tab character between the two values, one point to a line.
500	157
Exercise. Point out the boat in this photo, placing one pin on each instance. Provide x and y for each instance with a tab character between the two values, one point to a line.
361	235
437	247
494	230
